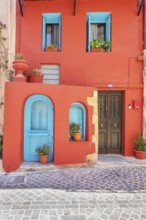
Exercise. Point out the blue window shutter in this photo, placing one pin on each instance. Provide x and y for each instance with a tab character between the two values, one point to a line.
59	36
51	18
98	18
88	35
108	22
44	34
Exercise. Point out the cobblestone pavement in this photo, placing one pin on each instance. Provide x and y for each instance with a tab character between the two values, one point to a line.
103	192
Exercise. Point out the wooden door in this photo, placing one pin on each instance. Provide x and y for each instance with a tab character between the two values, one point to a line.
38	126
110	121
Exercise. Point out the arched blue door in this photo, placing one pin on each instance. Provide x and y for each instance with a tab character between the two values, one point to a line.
38	126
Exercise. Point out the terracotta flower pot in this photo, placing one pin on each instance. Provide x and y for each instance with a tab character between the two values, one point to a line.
20	66
97	50
55	49
141	155
43	159
77	136
36	78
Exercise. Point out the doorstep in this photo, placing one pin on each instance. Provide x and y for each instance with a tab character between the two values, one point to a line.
37	166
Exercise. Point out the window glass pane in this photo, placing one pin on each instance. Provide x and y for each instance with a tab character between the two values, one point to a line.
97	31
52	34
39	115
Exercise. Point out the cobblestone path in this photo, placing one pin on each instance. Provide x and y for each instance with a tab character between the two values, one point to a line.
105	179
90	193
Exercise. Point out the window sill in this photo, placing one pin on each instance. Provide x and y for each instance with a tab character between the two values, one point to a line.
70	140
51	50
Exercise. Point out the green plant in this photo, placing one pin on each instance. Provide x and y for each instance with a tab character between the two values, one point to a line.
51	46
35	71
75	128
44	150
99	43
140	143
19	56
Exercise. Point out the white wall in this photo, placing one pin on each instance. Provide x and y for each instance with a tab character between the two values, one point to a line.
8	17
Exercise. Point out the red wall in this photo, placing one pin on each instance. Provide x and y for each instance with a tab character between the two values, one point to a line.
65	151
78	67
120	67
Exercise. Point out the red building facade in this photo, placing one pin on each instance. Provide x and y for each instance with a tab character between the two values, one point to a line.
108	84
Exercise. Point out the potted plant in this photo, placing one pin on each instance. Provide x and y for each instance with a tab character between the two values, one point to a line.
75	131
51	47
43	153
99	45
140	147
36	76
20	65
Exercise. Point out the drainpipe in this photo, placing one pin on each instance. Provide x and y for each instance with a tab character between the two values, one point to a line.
144	75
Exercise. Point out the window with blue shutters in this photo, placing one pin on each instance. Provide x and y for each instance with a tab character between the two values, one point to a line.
51	33
98	26
77	115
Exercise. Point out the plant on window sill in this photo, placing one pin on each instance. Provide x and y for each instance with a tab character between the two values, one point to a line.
99	45
75	132
51	47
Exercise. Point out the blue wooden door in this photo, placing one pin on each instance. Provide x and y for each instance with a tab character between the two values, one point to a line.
38	126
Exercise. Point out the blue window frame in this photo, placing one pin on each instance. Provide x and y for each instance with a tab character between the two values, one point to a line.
98	26
51	33
77	115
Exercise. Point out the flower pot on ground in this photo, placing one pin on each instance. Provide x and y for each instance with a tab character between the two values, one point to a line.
43	153
75	132
36	76
140	147
51	47
99	45
20	65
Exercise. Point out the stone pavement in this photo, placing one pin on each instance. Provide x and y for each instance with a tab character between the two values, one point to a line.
115	189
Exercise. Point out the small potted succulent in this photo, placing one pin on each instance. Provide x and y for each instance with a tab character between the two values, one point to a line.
36	76
51	47
20	65
140	147
43	153
75	131
99	45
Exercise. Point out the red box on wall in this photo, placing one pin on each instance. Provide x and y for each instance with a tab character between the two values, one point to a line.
136	104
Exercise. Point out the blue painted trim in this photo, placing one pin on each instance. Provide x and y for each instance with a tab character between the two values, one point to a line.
44	34
82	117
29	133
99	17
51	18
88	34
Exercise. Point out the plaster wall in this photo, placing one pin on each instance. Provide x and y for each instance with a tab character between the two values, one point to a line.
65	151
8	17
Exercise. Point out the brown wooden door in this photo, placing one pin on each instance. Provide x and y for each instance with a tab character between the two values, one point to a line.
109	114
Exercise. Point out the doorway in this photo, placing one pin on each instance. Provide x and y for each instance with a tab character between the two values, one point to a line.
38	126
110	121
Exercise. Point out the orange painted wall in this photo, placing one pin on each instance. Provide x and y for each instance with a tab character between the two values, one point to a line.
79	67
120	67
65	151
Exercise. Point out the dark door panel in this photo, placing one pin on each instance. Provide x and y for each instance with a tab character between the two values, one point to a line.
109	114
